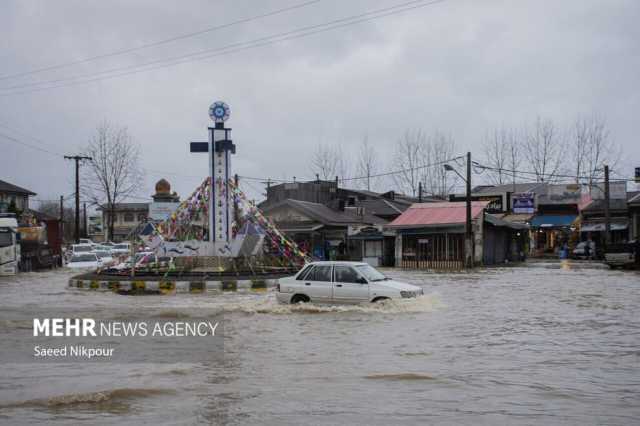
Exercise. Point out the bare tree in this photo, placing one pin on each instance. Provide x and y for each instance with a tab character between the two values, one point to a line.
114	173
544	149
437	182
501	153
592	148
325	161
367	164
343	165
407	160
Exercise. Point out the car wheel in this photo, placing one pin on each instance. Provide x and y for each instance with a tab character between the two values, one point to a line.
299	298
379	299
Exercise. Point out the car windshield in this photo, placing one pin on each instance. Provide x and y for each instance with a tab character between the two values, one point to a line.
84	258
102	253
121	246
81	249
370	273
6	238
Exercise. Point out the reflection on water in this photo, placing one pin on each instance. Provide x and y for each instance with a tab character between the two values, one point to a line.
552	343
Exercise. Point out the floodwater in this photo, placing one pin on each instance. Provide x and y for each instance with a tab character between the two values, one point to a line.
549	343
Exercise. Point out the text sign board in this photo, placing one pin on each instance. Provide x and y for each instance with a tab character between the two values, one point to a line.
524	203
494	206
161	211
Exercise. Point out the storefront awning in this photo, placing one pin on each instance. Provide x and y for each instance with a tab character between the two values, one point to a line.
599	226
552	221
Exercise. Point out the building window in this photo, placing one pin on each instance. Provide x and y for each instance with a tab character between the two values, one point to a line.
128	217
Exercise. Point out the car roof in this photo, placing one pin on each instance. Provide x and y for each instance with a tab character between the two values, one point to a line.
337	262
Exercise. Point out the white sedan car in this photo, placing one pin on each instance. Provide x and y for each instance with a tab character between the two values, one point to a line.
84	260
341	282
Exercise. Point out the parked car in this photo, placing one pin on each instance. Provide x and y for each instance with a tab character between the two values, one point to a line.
121	249
141	259
84	260
580	250
75	249
86	241
81	248
108	244
341	282
105	257
622	255
102	247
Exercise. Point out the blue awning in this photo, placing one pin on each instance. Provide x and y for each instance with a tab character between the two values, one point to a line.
552	221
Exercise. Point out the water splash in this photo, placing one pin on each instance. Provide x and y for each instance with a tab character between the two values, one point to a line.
427	303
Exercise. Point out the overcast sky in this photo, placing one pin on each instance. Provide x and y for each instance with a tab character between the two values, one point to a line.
460	66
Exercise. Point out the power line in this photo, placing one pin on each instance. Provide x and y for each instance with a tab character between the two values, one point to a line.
28	145
540	175
160	42
231	48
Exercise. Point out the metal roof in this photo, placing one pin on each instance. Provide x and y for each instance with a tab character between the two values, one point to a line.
429	214
326	215
14	189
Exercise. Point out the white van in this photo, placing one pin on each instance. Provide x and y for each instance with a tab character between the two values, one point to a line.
341	282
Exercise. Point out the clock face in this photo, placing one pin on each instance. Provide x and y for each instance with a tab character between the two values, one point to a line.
219	112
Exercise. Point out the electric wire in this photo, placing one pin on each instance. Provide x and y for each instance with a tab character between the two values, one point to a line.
159	42
231	48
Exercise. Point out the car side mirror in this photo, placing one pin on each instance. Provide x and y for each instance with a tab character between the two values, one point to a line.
361	280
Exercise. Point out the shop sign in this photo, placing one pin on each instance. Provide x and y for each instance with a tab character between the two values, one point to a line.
524	203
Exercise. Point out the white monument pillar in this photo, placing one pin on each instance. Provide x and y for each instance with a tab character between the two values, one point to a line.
220	149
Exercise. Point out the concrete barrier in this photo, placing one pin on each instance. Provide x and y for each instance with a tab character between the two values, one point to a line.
160	286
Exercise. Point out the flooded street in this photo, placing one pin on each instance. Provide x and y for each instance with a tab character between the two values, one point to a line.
549	343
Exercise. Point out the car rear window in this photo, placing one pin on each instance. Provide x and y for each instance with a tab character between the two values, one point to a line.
319	273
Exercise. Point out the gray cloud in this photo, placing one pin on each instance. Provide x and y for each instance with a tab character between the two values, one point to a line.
463	67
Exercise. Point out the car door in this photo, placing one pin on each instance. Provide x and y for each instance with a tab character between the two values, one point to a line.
317	283
349	286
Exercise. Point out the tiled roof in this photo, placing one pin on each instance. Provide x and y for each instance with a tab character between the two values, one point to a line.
326	215
9	187
446	213
598	205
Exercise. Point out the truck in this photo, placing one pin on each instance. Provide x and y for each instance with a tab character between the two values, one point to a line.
9	246
28	247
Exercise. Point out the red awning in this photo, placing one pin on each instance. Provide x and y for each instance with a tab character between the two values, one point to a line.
428	214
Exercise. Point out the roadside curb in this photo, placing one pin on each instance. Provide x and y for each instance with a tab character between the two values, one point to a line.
170	287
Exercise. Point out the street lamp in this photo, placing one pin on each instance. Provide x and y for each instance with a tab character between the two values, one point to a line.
468	240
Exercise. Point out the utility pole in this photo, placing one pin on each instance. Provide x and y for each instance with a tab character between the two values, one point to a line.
61	226
467	228
84	222
419	192
77	159
607	215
